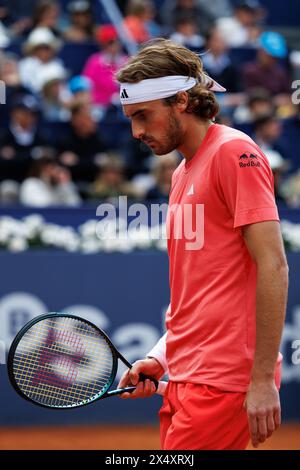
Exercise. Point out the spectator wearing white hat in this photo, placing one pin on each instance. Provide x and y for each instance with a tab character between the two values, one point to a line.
41	48
56	97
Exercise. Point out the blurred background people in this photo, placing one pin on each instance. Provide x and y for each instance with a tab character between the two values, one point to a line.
244	27
267	71
138	19
40	48
21	140
82	25
218	64
46	14
163	169
111	180
55	96
48	184
81	144
101	67
173	10
186	33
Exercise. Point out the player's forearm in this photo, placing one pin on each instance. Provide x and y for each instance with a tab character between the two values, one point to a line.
271	297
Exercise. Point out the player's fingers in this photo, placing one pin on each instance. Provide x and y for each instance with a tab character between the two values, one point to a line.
270	424
134	372
277	417
149	388
253	428
262	427
125	380
138	392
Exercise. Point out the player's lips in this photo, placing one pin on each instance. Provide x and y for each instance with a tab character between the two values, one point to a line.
150	143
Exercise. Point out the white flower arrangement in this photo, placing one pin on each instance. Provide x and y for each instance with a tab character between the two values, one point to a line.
33	232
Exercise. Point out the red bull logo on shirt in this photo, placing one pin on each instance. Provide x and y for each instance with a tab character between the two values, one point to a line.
249	160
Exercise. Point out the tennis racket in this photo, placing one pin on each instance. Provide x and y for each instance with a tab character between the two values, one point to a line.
63	361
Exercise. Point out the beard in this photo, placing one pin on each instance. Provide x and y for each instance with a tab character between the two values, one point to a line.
173	136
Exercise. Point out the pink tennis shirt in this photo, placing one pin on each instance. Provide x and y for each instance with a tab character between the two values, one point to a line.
211	319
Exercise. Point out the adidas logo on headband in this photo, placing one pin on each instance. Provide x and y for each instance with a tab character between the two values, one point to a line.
124	94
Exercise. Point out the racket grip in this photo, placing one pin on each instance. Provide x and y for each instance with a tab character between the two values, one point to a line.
144	377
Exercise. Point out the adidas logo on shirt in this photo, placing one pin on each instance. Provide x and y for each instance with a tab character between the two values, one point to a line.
191	191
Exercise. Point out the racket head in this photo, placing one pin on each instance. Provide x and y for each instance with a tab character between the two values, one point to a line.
24	363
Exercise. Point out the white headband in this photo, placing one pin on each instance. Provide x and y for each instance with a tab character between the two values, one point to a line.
158	88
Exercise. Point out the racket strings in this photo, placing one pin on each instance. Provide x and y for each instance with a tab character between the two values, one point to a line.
63	362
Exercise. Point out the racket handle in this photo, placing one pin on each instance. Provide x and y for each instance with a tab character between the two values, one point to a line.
144	377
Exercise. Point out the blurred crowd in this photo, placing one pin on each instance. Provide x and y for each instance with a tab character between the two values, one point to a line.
63	137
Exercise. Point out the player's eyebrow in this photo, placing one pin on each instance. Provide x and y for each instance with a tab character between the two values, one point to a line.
139	111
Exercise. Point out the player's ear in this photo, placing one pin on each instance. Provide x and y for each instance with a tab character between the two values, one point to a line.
182	101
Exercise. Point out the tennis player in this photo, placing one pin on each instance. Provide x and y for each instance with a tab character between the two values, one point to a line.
228	296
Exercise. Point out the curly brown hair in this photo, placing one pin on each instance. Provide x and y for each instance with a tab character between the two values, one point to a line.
161	58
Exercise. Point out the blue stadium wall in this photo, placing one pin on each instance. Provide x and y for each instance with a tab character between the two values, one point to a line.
127	296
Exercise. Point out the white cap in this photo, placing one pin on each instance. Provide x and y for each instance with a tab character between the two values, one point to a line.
51	72
41	37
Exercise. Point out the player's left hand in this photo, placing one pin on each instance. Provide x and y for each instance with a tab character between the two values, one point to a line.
263	408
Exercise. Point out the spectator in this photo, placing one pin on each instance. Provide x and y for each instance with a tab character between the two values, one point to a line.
164	168
139	13
218	64
216	8
81	145
111	181
259	103
267	133
290	189
82	25
21	141
9	72
49	184
9	192
266	72
186	33
279	167
173	10
46	15
80	88
40	47
243	28
4	37
55	95
102	67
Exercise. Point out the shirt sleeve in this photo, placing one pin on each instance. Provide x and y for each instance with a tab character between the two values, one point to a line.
246	183
159	352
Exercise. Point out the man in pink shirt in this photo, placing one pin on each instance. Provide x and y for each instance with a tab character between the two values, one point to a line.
228	271
102	67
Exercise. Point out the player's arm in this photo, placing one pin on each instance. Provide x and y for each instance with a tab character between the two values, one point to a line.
264	243
153	365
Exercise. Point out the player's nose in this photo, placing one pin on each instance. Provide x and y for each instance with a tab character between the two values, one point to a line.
137	131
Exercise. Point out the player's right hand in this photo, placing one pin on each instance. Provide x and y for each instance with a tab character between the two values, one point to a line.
150	367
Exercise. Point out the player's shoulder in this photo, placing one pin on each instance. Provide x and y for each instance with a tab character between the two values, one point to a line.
232	143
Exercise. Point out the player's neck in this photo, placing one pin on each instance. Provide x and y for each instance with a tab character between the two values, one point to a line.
194	136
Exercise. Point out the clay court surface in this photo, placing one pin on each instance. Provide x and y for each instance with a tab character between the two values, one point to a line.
114	438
